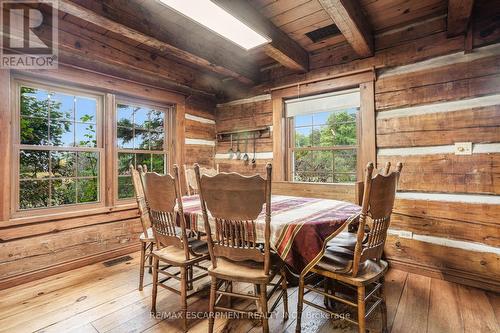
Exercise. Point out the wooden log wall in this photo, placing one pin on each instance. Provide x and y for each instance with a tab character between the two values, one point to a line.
200	131
447	214
430	94
243	115
36	246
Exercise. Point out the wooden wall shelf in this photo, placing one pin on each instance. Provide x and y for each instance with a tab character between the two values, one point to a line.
257	133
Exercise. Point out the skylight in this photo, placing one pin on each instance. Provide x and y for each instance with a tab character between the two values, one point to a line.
208	14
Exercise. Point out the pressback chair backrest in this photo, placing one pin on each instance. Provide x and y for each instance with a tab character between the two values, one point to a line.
162	193
235	202
140	197
191	183
378	202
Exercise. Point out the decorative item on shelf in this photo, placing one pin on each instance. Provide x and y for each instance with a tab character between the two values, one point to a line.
246	134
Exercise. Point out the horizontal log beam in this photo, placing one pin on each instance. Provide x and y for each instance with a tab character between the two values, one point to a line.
178	48
282	48
459	12
350	20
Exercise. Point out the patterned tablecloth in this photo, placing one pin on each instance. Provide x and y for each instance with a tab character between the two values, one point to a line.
299	225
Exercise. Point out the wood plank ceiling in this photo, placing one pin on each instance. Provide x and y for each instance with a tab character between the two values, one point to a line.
155	28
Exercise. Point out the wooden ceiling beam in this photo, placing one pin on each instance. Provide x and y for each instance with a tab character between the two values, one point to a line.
282	48
349	18
459	12
178	48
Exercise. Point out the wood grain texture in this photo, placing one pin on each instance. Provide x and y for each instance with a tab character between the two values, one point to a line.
107	299
479	173
5	141
413	307
350	20
459	12
144	35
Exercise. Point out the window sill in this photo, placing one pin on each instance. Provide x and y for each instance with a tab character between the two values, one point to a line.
20	218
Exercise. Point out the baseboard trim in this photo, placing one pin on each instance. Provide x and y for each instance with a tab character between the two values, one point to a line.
460	277
66	266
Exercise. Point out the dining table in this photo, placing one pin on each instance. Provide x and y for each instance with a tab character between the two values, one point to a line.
299	225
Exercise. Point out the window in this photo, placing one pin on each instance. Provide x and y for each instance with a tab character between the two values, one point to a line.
323	140
142	139
58	147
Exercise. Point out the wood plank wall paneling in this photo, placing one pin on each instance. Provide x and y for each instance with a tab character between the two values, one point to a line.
444	98
200	124
428	96
240	116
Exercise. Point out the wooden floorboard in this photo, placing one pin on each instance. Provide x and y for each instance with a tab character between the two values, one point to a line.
98	299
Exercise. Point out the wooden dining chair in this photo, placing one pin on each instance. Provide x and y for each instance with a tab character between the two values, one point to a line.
235	202
362	268
173	246
146	238
191	184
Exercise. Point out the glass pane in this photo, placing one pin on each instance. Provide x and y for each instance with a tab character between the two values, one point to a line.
33	194
303	137
345	165
141	139
63	192
303	120
34	131
345	133
303	162
142	159
87	190
34	102
141	117
62	133
125	115
321	118
125	138
156	120
125	187
86	135
124	162
158	163
156	140
86	110
63	164
88	164
62	106
34	164
317	134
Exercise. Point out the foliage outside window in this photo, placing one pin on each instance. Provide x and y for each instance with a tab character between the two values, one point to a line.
59	153
141	140
323	145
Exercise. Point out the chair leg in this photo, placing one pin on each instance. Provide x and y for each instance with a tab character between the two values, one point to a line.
263	304
155	284
142	263
211	308
190	278
300	304
383	306
230	289
256	291
361	310
285	294
151	246
184	297
326	300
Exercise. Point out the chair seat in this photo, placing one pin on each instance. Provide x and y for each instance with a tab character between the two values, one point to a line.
344	239
198	246
337	264
244	271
